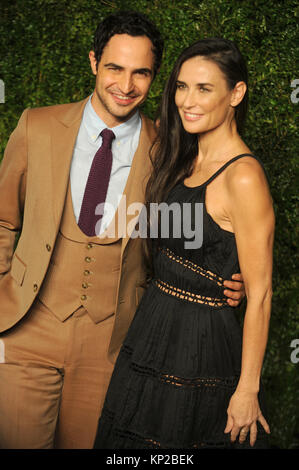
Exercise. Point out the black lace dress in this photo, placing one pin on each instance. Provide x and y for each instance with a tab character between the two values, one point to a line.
180	362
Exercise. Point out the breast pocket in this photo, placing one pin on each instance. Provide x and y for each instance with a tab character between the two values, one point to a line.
18	269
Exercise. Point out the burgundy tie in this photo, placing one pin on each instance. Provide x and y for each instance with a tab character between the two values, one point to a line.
96	186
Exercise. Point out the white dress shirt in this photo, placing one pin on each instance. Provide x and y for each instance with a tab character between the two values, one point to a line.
87	143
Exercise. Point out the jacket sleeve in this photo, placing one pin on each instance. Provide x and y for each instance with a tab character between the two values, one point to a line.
13	172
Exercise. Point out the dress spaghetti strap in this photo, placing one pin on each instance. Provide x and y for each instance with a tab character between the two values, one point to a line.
221	169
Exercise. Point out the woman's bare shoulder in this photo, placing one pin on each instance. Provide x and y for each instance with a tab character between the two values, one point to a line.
247	172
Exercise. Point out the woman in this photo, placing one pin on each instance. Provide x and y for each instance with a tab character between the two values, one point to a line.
186	377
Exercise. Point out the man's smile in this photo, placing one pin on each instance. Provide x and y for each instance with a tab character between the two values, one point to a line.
123	99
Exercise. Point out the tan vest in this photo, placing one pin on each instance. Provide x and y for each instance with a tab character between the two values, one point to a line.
83	271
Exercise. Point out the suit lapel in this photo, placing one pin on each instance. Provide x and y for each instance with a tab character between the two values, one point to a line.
64	131
136	183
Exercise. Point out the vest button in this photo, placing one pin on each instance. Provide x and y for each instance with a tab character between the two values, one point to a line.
84	285
88	259
48	247
83	297
89	245
35	287
86	272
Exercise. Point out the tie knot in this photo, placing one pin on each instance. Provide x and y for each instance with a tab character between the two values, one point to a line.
107	136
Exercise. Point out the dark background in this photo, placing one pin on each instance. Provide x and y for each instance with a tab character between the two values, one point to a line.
44	47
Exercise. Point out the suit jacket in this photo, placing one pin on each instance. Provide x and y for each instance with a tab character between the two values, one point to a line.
34	177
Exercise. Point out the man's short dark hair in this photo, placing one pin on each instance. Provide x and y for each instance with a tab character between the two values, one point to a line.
131	23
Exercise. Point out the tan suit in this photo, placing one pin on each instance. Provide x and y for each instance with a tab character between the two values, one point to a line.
58	278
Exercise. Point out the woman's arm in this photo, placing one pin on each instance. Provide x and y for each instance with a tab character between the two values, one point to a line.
249	208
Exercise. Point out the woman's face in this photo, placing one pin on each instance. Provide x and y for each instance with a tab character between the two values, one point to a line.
202	96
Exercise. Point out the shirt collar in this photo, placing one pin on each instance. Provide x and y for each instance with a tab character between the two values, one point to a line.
94	124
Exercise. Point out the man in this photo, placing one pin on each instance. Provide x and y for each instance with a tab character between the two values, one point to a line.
67	295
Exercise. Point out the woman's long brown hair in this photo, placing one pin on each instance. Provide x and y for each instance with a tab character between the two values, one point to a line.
174	150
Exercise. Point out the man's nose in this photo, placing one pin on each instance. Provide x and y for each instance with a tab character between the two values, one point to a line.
126	83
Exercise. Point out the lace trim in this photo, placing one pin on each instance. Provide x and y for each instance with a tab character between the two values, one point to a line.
209	383
153	444
190	296
192	266
148	442
194	383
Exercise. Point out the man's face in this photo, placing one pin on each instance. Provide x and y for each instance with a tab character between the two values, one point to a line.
123	77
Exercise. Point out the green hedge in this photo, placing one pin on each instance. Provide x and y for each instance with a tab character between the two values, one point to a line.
44	60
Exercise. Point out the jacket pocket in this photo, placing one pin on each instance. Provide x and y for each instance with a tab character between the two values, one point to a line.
18	269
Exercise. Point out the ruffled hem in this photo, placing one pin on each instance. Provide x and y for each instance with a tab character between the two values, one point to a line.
173	379
111	436
146	409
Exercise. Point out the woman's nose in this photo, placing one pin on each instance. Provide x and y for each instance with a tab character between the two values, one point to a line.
190	99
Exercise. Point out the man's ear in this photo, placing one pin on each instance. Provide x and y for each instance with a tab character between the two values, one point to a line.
93	62
238	93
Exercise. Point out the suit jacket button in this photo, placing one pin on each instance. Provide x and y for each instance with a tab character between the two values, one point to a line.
35	287
48	247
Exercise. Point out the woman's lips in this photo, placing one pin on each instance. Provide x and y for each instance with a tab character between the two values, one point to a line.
192	116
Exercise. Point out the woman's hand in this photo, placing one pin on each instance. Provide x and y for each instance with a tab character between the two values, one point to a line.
243	413
235	290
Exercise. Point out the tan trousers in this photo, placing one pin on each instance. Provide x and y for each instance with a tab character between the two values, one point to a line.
53	380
